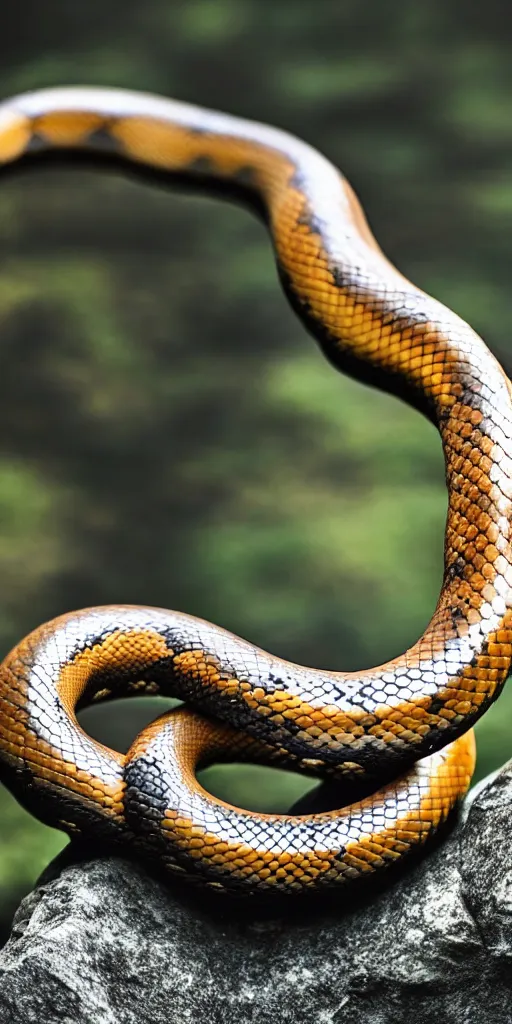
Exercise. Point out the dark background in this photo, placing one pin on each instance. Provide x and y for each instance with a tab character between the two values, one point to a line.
169	434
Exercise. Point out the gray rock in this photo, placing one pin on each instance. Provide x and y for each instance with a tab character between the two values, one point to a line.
102	941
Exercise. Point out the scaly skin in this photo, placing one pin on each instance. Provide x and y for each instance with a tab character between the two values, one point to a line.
389	723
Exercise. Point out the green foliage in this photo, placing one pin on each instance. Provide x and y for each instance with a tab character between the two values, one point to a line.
169	433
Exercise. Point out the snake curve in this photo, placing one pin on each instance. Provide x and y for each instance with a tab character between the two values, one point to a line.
406	725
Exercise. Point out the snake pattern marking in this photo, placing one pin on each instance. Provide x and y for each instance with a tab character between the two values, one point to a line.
405	725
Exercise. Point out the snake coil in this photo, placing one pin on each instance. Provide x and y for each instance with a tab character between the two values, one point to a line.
405	725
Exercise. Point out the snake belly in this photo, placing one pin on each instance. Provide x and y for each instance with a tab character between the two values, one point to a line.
404	726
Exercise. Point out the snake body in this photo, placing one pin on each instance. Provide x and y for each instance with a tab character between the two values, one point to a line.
405	725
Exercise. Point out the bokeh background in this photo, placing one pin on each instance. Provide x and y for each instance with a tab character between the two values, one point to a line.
169	434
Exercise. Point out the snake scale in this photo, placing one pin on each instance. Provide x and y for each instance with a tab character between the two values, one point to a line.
405	726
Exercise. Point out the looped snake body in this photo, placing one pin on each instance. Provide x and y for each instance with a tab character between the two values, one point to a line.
405	724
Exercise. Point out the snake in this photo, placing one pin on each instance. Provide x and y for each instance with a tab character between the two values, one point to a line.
397	740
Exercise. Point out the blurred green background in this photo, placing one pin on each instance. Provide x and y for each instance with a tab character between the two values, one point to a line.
169	433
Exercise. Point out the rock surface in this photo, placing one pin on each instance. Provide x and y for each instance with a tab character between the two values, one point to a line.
102	941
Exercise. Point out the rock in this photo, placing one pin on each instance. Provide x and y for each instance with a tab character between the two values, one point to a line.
102	941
